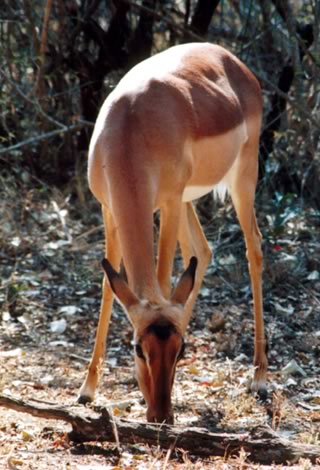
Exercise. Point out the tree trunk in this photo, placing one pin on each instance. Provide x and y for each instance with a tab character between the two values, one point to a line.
201	18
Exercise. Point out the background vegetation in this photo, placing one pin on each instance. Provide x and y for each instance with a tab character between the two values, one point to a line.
59	60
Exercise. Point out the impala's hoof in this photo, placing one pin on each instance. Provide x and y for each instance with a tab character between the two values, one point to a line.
84	399
258	389
261	394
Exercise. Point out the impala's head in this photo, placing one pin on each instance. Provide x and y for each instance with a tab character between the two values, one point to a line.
158	338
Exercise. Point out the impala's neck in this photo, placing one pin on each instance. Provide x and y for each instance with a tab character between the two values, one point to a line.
138	257
132	205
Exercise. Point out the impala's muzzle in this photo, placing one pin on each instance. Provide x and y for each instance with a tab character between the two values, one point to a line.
160	407
158	416
156	353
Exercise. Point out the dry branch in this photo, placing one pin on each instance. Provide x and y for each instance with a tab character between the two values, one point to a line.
33	102
262	444
44	136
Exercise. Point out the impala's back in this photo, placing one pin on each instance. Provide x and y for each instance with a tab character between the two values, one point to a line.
176	112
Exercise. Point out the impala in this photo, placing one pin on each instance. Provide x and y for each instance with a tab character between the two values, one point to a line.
176	126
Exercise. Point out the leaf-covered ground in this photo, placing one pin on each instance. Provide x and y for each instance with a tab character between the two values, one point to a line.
50	252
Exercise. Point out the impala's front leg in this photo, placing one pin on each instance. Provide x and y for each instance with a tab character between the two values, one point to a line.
169	225
112	250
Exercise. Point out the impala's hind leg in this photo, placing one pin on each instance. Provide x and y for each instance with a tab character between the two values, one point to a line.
169	225
112	252
193	242
243	192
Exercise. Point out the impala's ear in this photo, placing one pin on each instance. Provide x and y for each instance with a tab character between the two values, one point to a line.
185	285
119	286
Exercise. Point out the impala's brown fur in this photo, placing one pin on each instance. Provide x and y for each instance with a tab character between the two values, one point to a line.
176	125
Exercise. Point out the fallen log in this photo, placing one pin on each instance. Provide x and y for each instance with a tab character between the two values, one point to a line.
262	444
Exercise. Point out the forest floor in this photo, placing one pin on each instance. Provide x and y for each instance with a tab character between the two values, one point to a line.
50	253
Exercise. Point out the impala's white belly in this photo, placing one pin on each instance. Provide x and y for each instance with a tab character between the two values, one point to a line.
213	161
194	192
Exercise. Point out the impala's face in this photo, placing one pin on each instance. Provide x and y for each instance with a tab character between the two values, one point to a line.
157	351
158	329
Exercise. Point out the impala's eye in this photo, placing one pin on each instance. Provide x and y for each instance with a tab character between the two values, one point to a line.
138	350
181	353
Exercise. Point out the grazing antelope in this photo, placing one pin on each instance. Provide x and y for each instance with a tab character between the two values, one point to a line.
176	126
